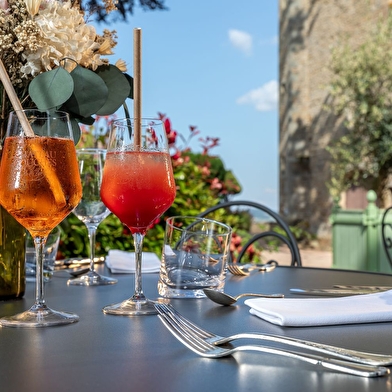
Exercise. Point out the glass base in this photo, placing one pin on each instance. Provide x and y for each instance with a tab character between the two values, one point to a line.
131	307
170	292
39	316
91	278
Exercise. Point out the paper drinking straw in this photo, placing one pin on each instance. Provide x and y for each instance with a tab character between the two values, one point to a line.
5	79
137	85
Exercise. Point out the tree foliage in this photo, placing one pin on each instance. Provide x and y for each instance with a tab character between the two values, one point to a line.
362	96
125	8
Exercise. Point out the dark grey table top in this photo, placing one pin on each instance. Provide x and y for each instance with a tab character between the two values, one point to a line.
117	353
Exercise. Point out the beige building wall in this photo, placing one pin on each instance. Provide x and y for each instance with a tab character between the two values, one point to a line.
308	31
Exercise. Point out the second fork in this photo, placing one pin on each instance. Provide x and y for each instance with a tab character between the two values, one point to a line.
338	352
205	349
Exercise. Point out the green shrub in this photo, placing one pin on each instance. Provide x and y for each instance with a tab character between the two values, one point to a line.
360	95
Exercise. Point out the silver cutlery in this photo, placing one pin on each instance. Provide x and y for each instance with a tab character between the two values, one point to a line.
203	348
362	287
74	272
226	300
238	270
331	292
374	359
246	269
76	262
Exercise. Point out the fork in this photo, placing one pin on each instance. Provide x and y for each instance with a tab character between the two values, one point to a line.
207	350
216	340
244	270
235	270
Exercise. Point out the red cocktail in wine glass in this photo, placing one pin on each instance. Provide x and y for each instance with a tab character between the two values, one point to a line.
138	187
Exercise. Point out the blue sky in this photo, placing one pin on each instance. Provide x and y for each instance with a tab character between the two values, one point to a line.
214	64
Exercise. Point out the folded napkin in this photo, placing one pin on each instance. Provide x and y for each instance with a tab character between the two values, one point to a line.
121	262
303	312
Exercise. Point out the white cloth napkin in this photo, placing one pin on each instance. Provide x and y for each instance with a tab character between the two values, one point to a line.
303	312
121	262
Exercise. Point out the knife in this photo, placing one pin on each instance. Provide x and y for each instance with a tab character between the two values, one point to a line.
331	292
75	262
362	287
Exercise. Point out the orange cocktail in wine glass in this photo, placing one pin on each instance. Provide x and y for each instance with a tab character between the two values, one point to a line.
40	186
138	187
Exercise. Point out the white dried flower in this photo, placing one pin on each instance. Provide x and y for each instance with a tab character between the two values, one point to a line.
121	65
32	6
106	47
64	34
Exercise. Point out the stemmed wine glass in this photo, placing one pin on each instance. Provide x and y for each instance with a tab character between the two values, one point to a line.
40	186
138	187
91	211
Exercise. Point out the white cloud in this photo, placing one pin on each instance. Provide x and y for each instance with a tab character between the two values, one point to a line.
241	40
264	98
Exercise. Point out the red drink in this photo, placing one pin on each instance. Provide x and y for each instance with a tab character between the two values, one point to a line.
138	187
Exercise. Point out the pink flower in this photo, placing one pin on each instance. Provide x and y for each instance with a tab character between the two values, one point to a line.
176	155
170	133
194	130
216	184
4	4
205	171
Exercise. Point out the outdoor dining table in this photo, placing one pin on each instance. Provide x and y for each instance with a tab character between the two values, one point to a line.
117	353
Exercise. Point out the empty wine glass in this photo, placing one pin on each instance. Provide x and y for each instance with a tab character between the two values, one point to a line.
91	210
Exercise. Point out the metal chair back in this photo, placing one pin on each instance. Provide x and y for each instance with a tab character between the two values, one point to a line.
386	233
288	239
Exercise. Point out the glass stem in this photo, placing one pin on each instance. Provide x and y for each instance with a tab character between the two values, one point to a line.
138	243
91	236
39	243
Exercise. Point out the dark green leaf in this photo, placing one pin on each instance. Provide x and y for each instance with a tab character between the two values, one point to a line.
89	95
87	120
51	89
119	88
130	81
75	130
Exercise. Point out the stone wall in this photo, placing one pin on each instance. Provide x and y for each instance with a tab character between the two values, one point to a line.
308	31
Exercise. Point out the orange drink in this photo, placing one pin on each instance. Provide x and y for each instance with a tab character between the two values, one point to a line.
39	186
39	193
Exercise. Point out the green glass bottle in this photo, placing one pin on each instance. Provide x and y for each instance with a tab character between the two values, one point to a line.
12	233
12	257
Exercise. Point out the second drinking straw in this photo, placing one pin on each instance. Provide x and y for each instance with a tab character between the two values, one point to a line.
137	85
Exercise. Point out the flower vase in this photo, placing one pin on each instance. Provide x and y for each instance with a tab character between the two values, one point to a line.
12	257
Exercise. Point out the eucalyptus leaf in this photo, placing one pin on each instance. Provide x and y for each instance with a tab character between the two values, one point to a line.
119	88
126	110
130	81
75	130
86	120
89	95
51	89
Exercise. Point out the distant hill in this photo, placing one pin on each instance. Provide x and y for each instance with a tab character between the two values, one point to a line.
260	215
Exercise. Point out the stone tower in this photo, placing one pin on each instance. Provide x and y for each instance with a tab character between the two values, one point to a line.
308	31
